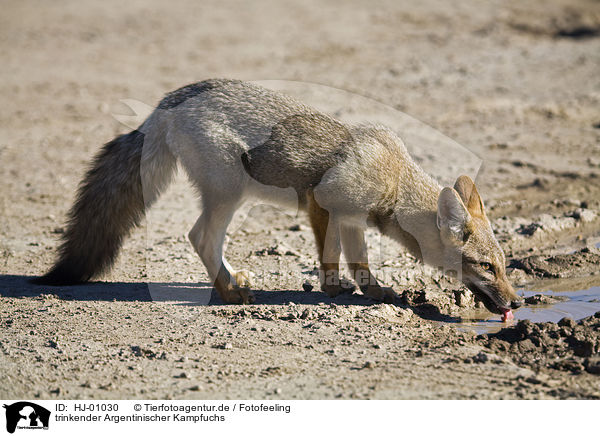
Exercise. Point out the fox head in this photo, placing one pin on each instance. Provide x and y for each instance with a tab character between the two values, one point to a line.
471	249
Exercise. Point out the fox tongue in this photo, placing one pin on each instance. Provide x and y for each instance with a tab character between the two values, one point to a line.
507	314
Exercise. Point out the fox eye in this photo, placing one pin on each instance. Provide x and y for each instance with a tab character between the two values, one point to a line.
487	266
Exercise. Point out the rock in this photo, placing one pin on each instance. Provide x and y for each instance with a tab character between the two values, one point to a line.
271	370
565	331
53	344
592	161
535	380
305	314
569	364
289	252
567	322
592	365
276	250
547	223
529	229
227	346
464	298
480	357
583	215
145	352
307	286
525	327
289	316
583	348
369	365
271	251
544	299
527	346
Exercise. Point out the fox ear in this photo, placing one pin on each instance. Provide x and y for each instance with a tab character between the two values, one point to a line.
452	215
468	194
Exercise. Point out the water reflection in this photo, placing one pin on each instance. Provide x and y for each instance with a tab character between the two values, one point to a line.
583	299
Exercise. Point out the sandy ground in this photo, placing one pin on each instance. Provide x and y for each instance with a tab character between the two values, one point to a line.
517	84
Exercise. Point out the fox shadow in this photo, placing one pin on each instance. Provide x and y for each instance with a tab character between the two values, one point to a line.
189	294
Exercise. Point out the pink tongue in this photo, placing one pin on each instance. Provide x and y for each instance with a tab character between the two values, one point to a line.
507	314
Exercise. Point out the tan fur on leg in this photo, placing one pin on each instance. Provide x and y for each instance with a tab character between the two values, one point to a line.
329	246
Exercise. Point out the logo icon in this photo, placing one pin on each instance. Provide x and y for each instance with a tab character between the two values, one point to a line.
26	415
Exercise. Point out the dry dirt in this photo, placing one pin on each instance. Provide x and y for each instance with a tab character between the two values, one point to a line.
517	84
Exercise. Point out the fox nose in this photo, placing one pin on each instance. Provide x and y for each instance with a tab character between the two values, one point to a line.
516	304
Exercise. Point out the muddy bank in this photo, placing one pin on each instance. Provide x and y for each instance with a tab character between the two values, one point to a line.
582	263
550	232
567	346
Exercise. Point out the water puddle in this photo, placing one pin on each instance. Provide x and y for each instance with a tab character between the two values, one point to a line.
581	299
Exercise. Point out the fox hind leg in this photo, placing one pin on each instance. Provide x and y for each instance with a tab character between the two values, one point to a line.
355	252
327	236
207	237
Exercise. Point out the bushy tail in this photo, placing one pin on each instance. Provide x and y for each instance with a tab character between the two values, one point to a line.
125	178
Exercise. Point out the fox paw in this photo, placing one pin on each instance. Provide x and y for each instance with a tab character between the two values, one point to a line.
243	278
379	293
239	295
333	290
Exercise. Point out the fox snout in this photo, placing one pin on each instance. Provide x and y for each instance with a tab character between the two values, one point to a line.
514	300
507	292
498	296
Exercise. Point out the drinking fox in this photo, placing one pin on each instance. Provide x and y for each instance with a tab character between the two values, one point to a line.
237	140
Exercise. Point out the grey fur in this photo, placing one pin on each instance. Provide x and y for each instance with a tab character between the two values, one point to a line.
181	95
299	152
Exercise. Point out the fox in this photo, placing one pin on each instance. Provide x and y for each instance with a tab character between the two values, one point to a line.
237	140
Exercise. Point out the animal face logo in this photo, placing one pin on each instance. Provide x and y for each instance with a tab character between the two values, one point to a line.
26	415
